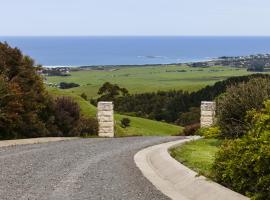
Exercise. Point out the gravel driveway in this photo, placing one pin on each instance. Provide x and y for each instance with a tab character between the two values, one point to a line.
77	169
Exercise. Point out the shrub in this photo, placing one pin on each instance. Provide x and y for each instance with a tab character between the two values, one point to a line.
232	107
211	132
190	117
67	115
125	122
85	127
191	129
243	164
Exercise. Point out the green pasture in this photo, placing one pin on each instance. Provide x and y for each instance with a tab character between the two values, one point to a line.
148	79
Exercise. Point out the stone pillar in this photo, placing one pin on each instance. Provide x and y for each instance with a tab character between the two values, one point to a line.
105	119
208	113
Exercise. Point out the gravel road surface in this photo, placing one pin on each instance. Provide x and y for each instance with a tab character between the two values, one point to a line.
95	168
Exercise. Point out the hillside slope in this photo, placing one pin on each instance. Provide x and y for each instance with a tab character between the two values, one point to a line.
138	126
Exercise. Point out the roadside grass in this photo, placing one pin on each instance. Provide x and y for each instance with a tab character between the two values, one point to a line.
198	155
148	78
138	126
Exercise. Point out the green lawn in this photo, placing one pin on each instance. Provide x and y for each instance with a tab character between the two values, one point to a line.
148	79
197	155
138	126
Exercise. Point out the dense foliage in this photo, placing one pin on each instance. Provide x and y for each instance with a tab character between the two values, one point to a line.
232	107
26	109
23	97
243	164
172	106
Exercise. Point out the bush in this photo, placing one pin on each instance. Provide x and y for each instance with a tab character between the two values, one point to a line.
232	107
125	122
67	115
191	129
191	117
211	132
243	164
85	127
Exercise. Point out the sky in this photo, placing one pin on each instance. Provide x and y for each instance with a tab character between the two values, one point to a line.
134	17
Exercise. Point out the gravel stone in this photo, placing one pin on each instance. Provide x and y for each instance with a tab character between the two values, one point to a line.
96	168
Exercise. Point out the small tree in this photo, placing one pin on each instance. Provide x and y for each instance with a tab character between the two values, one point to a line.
110	91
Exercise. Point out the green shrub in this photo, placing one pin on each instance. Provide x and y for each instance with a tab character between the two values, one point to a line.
191	129
243	164
125	122
211	132
232	107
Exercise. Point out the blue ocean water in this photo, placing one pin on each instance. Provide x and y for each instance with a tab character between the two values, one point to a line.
79	51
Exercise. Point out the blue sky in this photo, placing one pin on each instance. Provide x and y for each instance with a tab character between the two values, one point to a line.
135	17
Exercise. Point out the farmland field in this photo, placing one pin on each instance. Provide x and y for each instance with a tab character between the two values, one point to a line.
148	78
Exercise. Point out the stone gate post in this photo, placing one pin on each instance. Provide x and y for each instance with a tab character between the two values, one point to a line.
105	119
208	113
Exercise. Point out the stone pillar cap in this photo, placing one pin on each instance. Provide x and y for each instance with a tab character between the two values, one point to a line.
105	102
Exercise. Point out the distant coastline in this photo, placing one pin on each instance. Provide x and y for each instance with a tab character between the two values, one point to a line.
139	51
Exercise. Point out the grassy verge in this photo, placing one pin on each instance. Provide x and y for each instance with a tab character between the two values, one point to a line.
138	126
197	155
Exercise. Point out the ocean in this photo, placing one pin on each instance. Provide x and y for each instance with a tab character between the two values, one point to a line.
85	51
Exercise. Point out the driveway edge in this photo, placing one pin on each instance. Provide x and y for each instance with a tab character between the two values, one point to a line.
7	143
176	180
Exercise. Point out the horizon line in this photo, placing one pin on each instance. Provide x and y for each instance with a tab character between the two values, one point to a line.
134	35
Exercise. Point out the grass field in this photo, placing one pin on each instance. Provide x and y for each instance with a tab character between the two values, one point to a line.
138	126
148	79
197	155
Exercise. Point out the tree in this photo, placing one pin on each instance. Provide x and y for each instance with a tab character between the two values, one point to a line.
10	109
109	92
24	84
